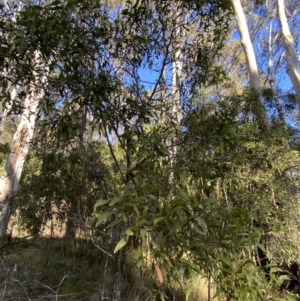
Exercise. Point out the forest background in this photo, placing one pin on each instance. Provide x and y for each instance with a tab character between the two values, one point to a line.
149	150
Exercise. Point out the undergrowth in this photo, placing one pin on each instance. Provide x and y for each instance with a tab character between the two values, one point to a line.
58	269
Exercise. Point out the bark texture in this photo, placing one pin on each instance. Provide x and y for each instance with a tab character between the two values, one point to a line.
251	63
247	45
9	180
271	77
177	73
177	64
290	52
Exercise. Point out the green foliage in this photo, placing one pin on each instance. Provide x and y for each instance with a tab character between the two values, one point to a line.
47	180
49	268
228	176
189	199
4	150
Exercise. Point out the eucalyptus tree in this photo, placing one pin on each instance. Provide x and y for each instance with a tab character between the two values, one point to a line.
253	74
254	81
6	107
33	92
290	52
265	32
90	62
47	73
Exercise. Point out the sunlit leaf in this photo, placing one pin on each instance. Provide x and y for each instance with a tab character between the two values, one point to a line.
100	203
188	292
121	244
129	232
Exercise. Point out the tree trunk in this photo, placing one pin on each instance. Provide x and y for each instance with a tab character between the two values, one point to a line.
177	65
70	226
247	45
250	56
271	77
9	180
177	74
290	52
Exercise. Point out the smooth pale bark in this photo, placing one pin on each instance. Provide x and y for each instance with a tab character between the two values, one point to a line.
251	63
290	52
177	74
9	180
177	66
247	45
271	77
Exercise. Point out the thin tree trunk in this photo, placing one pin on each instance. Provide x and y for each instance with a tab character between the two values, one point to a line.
9	180
177	66
290	52
247	45
271	80
253	74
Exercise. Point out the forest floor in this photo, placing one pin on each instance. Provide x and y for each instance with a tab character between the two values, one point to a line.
57	269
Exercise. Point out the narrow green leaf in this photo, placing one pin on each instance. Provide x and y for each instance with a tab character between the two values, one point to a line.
275	269
246	263
121	244
114	223
160	236
162	296
129	232
193	275
289	297
143	232
115	200
103	217
176	225
225	260
209	201
152	197
145	212
159	219
139	264
188	293
124	218
100	203
135	208
262	247
201	223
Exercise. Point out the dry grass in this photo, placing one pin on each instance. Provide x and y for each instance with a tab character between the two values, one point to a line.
43	269
56	269
202	291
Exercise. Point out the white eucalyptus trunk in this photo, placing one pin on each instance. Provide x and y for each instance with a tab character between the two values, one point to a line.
253	75
247	45
10	178
271	77
290	52
177	67
177	74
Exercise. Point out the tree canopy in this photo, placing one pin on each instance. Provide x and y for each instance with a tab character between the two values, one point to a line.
152	137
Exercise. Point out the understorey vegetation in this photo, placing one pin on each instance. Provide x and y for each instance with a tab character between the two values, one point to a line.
149	150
